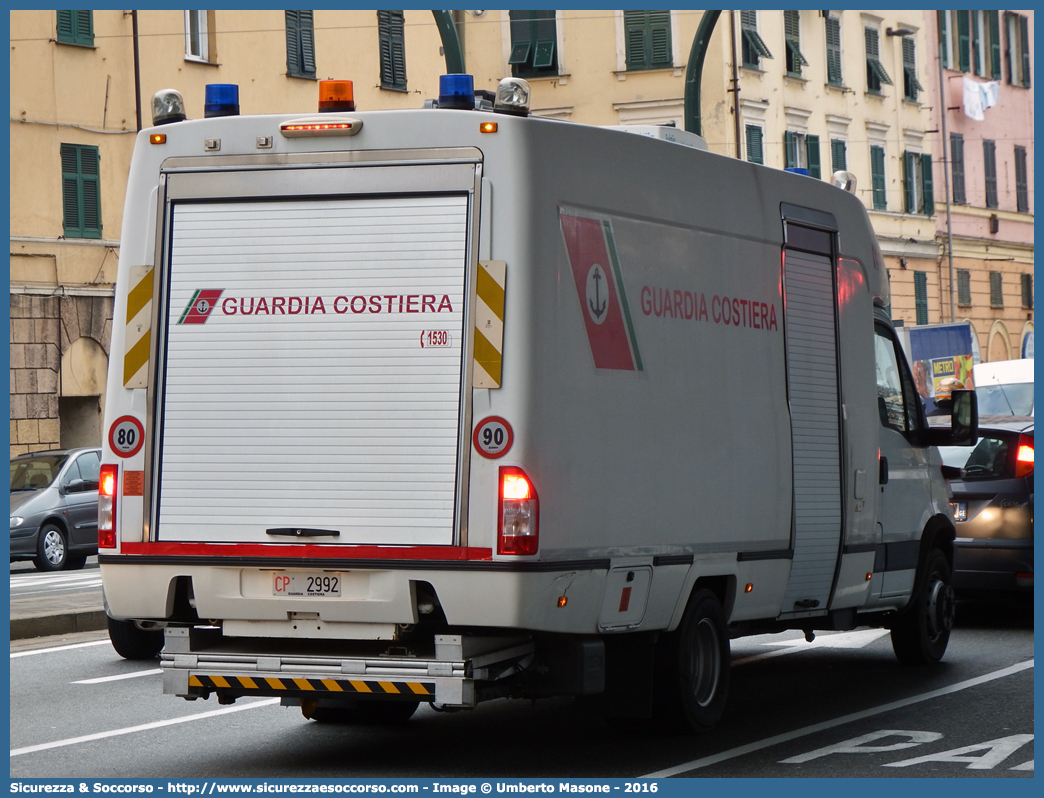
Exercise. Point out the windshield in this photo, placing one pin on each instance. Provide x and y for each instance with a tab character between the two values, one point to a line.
36	472
1013	399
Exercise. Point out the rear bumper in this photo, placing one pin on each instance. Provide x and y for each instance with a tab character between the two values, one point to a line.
993	565
199	662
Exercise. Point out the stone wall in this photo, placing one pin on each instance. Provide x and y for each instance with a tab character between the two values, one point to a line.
39	326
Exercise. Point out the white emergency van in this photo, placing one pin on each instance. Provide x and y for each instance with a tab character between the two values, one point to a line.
451	404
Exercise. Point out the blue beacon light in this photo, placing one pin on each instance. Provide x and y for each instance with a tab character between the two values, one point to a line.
457	91
221	99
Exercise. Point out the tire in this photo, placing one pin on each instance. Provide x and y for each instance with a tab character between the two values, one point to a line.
74	562
367	713
693	673
920	636
52	549
131	642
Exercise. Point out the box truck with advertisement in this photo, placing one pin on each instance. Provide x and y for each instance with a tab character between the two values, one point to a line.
452	404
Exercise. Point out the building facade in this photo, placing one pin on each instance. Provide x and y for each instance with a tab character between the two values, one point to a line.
819	91
985	120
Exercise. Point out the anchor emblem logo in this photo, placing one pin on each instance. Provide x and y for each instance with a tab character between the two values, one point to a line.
596	304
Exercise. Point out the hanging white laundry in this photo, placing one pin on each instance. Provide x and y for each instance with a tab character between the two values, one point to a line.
990	93
973	100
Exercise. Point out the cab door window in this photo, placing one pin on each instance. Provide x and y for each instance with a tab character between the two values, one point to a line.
897	401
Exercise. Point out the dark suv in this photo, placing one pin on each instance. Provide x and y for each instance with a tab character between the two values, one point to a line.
993	507
54	507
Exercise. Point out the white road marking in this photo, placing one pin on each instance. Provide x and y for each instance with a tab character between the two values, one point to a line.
119	676
104	642
849	640
742	750
32	749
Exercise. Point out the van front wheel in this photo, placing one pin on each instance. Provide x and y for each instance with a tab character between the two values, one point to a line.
920	636
694	676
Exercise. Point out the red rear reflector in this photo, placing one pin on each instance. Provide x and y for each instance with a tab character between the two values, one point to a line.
517	531
1024	458
107	481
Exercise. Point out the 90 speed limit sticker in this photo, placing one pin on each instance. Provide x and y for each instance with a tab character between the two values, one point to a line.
126	436
493	437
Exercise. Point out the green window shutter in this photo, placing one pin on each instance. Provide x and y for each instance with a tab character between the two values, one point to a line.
300	44
754	145
1027	290
995	50
875	71
910	83
833	43
76	27
754	47
927	185
996	290
943	18
812	155
921	296
660	36
1024	35
838	156
81	195
909	184
964	288
976	41
634	30
989	158
648	39
792	34
957	167
877	178
790	157
391	36
533	43
1021	182
964	40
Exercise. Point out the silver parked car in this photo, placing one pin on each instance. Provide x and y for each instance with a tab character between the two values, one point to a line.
54	507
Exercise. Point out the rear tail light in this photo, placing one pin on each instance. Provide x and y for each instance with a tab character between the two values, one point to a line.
1024	457
519	513
107	507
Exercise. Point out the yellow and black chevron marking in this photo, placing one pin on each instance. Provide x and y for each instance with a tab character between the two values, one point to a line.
139	328
352	686
489	323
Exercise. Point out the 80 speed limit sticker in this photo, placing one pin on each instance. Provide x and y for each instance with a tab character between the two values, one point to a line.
126	436
493	437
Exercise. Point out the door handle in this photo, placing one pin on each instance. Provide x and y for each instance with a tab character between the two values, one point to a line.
883	477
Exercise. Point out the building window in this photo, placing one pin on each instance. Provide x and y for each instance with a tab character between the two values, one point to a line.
1021	184
957	168
648	37
81	196
755	153
985	44
877	177
964	288
76	27
910	84
300	44
802	151
996	290
1018	49
989	161
917	183
921	296
833	43
875	71
391	37
1027	290
792	34
838	155
534	43
196	43
753	47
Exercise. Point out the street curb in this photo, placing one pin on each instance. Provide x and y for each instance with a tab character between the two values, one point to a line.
46	625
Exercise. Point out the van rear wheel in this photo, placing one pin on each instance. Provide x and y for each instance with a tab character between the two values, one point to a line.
131	642
693	678
921	635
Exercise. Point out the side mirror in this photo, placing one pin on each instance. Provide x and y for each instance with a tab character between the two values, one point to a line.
964	418
74	486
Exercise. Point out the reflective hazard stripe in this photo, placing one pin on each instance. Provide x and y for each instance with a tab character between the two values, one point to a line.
489	323
268	685
139	327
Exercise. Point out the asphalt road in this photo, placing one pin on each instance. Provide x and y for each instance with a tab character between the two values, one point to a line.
839	707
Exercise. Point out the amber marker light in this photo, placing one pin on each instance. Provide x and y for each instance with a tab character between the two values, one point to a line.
158	138
748	588
488	127
562	601
869	576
